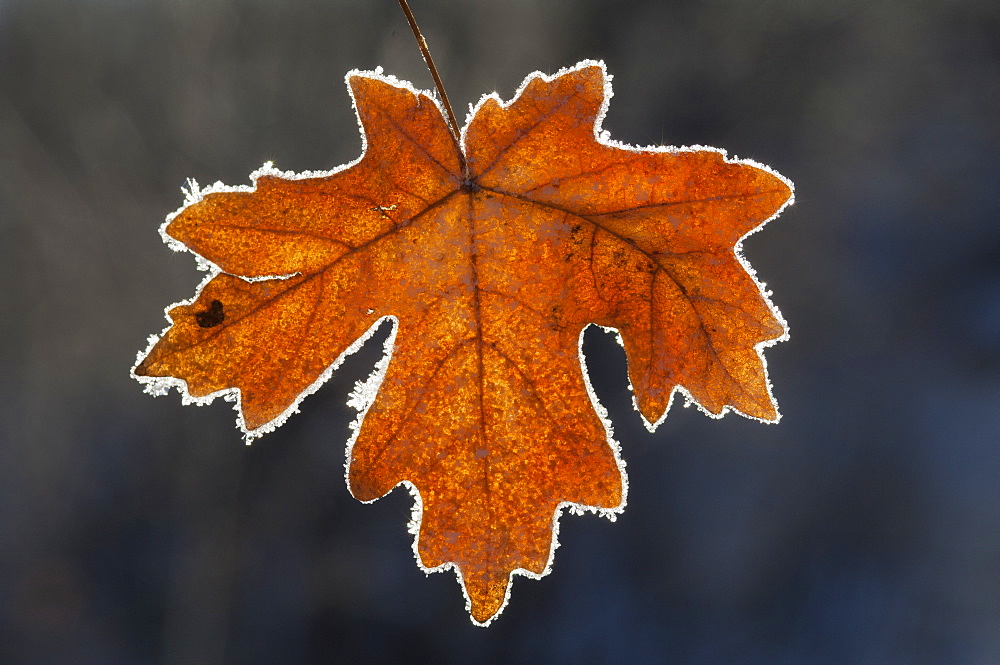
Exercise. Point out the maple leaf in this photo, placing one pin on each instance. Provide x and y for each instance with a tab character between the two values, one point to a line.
491	260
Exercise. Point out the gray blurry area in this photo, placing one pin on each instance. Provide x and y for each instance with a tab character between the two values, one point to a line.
865	528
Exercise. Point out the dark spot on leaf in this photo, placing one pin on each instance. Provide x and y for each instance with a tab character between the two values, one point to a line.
212	316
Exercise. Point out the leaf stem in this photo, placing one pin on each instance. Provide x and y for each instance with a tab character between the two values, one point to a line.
424	51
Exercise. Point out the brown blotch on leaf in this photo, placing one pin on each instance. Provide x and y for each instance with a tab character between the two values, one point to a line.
212	316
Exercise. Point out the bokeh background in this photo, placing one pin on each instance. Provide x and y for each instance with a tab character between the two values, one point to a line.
864	528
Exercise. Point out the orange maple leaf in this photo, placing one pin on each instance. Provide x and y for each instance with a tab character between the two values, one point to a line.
491	259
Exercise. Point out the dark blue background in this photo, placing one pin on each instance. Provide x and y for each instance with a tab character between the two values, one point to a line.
864	528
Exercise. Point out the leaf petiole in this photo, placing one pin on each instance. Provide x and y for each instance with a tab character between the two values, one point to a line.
425	52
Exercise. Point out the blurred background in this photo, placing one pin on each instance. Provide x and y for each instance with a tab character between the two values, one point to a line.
864	528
